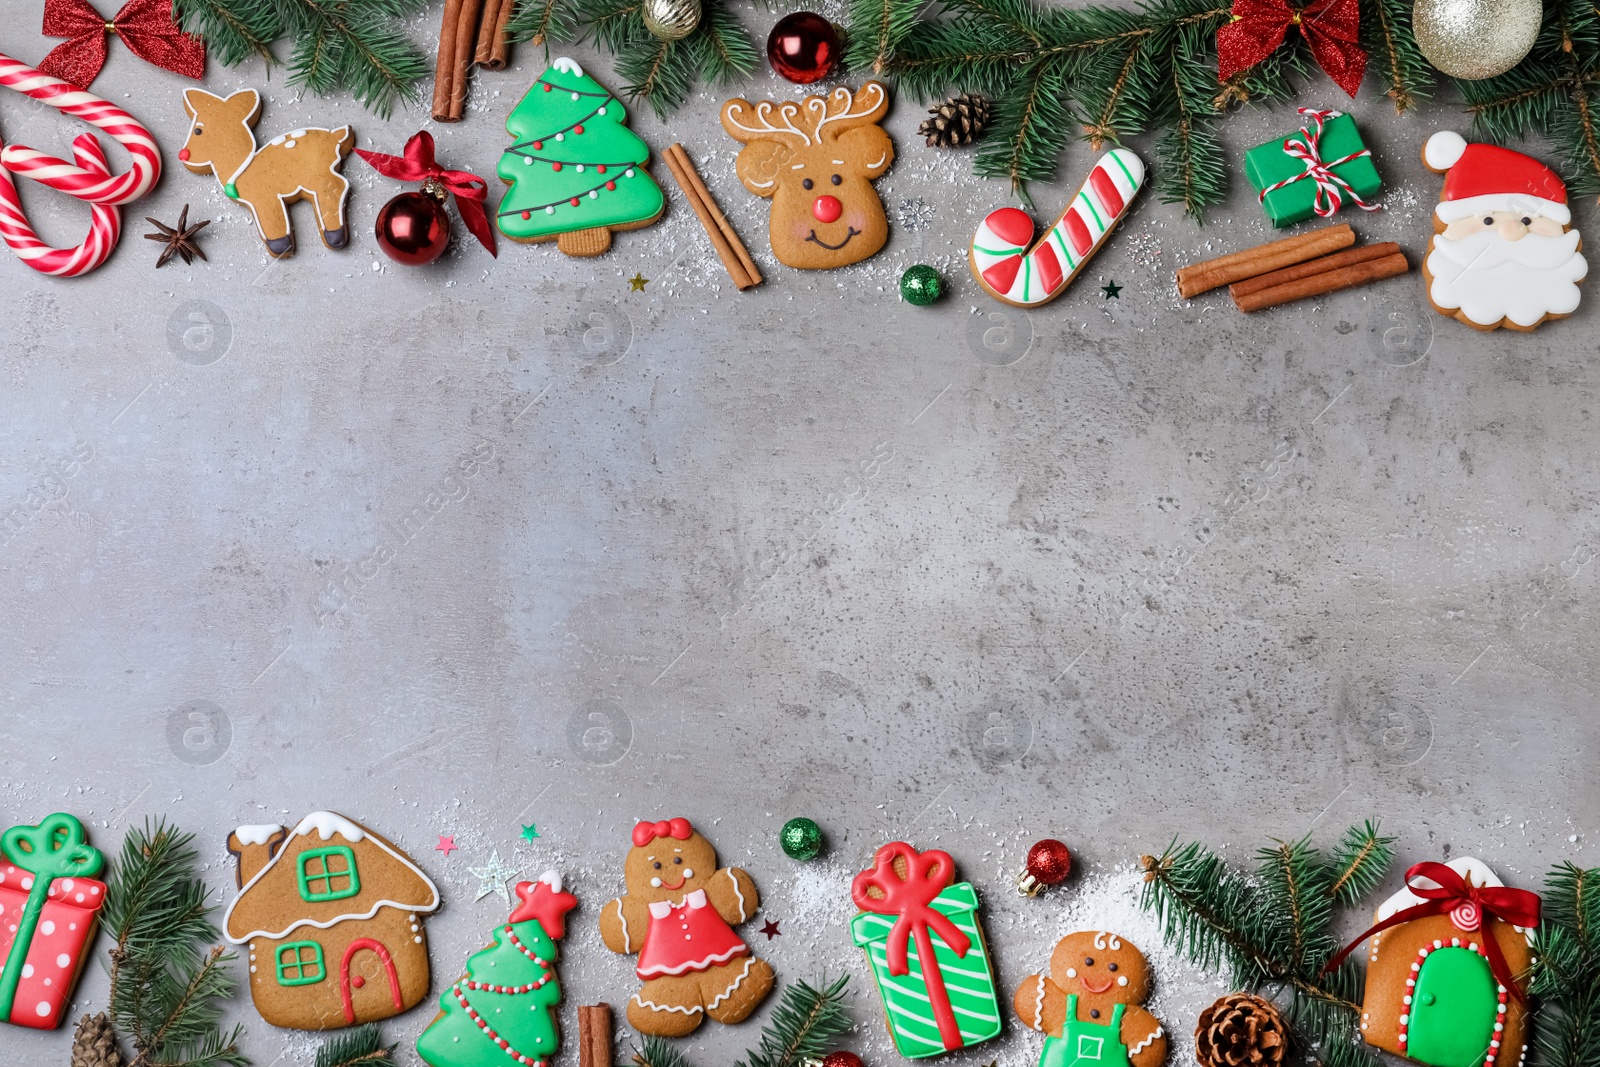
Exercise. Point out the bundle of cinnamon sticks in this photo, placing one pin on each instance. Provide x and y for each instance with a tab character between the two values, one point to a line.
1295	268
735	257
473	32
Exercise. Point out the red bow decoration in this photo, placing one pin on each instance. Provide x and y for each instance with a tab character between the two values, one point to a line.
470	191
146	27
1330	27
1467	905
927	875
646	832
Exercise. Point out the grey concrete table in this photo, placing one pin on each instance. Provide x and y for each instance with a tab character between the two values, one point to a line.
1112	570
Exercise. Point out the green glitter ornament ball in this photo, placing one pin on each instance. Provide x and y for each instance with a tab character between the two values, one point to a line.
801	839
921	285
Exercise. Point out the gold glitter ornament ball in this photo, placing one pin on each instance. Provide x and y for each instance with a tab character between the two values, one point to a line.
1475	39
671	20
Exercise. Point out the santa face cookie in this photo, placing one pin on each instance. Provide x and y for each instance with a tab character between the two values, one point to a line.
331	915
678	915
1088	1006
1503	252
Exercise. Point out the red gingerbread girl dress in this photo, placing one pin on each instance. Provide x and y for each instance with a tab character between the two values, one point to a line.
678	915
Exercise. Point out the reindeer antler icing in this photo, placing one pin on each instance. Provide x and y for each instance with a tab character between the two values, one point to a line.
787	111
841	104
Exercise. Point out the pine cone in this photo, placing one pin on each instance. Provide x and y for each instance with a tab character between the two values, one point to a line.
94	1043
958	121
1241	1030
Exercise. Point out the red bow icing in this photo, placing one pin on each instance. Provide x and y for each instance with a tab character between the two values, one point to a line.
146	27
1467	905
646	832
1330	27
1307	148
417	165
927	875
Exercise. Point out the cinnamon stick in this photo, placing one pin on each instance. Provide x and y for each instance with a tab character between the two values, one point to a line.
735	257
1328	281
494	46
1348	258
1198	278
458	34
594	1035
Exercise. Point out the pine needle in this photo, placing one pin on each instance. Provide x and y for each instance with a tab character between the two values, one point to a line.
360	1047
803	1025
659	1052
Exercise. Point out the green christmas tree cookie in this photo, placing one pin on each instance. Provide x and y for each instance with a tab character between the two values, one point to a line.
576	171
505	1005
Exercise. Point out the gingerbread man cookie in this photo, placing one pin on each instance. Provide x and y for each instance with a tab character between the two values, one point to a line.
1089	1005
678	915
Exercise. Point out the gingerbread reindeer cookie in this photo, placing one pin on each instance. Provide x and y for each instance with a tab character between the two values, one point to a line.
1089	1005
678	915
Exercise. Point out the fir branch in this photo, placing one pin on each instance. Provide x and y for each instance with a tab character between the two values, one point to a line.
1362	858
876	28
234	30
1397	61
542	22
1298	901
360	1047
804	1023
659	1052
360	49
1566	974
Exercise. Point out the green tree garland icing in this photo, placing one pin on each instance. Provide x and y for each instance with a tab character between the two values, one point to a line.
574	165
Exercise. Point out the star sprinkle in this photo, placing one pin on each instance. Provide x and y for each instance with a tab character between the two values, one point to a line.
530	831
637	283
771	929
180	239
1112	291
447	844
492	878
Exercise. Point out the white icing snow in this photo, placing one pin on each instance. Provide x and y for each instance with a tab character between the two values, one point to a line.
569	66
327	823
256	833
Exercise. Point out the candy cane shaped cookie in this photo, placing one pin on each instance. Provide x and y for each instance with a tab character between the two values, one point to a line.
104	228
1014	273
75	180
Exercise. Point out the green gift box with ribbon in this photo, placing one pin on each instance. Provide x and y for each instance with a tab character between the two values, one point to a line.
926	948
1314	170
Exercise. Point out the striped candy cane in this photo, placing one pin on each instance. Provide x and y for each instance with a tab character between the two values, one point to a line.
58	173
104	228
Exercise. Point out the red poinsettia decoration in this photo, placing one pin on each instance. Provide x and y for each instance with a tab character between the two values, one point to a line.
1331	27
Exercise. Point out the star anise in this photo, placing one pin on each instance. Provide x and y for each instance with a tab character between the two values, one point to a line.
180	239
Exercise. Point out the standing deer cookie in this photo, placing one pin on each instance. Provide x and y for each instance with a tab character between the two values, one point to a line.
1089	1005
816	161
678	915
302	165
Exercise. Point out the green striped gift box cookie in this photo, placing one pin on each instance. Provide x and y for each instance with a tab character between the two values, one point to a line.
968	979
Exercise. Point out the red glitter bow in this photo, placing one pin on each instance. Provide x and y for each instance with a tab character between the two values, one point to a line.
927	875
146	27
646	832
1330	27
1467	905
470	191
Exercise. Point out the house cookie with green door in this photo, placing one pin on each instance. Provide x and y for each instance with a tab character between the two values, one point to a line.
331	917
1443	967
1089	1005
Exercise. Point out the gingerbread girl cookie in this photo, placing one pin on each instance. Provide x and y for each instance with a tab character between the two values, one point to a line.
678	915
1089	1005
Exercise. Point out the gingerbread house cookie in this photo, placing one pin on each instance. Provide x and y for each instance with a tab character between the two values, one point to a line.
331	915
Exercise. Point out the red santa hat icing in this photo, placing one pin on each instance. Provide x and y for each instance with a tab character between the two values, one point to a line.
1485	178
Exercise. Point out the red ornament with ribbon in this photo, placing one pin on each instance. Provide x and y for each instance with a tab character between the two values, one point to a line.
1332	28
145	26
413	228
910	901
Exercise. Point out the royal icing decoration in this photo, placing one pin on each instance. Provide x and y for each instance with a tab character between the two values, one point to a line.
89	179
678	914
505	1005
331	914
1015	270
920	931
816	161
300	165
1089	1005
49	911
576	172
1504	252
1442	968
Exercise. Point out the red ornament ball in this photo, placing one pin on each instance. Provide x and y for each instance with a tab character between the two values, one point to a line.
413	229
841	1059
1049	861
803	47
